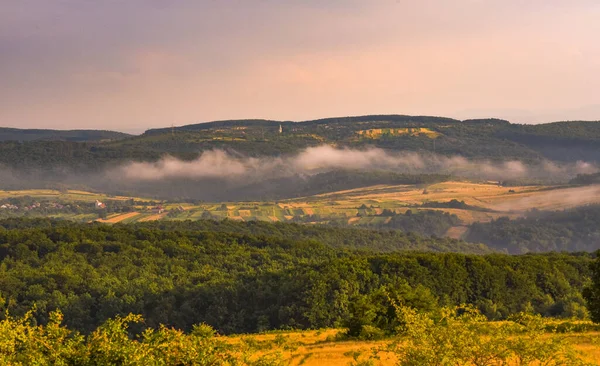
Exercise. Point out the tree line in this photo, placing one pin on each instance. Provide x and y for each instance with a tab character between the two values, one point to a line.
542	231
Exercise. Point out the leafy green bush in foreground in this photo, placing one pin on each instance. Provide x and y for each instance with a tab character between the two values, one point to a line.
463	336
23	343
450	336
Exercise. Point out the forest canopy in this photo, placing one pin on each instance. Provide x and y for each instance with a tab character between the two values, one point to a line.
237	283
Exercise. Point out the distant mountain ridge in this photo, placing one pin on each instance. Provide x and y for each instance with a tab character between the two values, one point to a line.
17	134
487	139
394	118
322	121
474	138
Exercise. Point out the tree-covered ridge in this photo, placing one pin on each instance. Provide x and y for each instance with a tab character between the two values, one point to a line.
570	230
246	283
333	236
414	234
17	134
487	138
483	139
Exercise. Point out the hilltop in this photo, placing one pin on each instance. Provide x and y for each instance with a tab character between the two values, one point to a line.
17	134
87	159
485	138
494	138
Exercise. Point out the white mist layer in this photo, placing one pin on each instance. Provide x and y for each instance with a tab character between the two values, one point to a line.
551	200
223	165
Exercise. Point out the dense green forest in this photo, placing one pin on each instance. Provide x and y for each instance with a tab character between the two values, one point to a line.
570	230
382	241
413	234
177	275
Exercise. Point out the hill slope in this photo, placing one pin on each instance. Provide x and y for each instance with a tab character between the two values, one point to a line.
563	141
16	134
75	159
482	139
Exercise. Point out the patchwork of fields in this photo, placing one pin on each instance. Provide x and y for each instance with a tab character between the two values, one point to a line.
362	206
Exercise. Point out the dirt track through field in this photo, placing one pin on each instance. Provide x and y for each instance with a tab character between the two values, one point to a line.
153	217
116	219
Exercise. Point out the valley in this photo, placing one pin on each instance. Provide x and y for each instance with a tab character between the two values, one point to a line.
470	202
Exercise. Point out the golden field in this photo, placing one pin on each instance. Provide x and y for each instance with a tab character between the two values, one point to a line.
317	347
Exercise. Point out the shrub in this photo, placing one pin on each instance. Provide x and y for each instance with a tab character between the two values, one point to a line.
458	336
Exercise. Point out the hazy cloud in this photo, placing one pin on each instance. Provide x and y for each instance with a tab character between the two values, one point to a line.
223	165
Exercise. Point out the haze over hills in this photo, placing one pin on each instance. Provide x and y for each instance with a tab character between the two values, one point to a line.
263	159
483	138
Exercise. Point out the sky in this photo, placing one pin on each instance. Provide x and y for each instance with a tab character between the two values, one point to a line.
130	65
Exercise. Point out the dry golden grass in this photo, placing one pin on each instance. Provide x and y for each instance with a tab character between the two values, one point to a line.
118	218
505	201
308	211
245	213
153	217
456	232
30	192
547	200
73	195
353	220
314	348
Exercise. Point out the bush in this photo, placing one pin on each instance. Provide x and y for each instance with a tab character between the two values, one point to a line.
458	336
22	343
371	333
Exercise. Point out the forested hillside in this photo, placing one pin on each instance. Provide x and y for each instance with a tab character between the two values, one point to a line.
490	138
16	134
571	230
414	235
179	276
493	139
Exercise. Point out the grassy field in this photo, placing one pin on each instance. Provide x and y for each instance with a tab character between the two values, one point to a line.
360	206
62	196
315	348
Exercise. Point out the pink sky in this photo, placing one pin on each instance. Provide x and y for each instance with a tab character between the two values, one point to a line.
135	64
